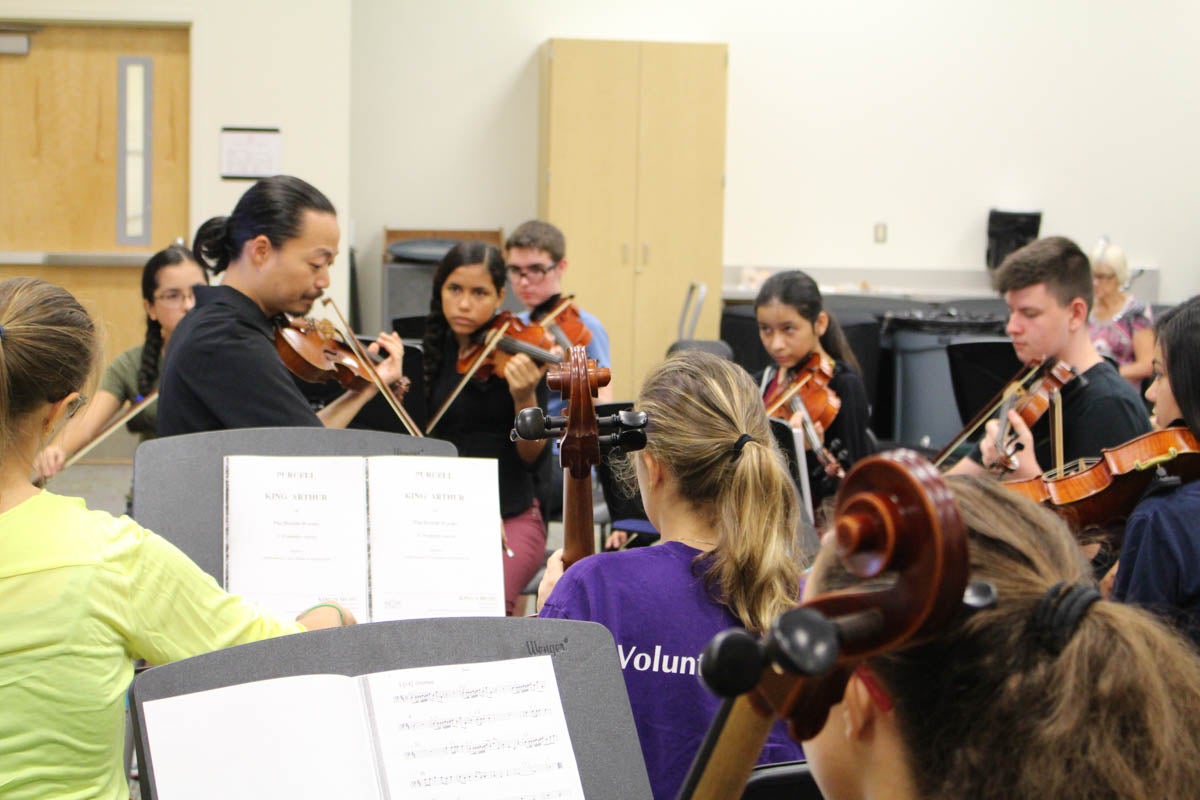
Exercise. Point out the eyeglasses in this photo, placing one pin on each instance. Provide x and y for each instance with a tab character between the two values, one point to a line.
174	297
76	404
534	273
1104	276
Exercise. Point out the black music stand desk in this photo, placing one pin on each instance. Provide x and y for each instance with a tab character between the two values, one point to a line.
584	656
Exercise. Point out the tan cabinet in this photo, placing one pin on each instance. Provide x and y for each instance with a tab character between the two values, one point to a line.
631	167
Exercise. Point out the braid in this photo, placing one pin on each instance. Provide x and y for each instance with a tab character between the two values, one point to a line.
151	349
436	328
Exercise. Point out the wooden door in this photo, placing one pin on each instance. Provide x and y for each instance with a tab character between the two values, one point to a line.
587	177
58	162
681	196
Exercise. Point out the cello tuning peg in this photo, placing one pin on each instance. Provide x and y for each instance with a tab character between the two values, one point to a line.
631	440
632	419
732	663
531	424
980	595
803	641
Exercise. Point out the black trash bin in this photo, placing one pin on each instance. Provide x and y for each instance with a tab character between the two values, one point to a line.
925	414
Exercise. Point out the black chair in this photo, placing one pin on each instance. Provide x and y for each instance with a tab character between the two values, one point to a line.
377	415
409	327
625	510
791	780
714	346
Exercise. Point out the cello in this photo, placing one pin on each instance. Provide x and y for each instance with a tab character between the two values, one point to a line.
580	442
894	514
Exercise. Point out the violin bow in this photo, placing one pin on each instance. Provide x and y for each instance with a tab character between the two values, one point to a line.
361	354
112	428
489	345
787	394
1023	375
547	321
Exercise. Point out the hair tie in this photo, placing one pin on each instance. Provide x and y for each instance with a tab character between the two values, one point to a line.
739	444
1058	614
1	333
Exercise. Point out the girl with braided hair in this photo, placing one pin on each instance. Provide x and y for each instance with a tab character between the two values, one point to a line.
167	283
468	288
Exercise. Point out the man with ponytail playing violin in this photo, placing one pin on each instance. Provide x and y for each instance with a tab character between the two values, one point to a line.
1048	288
221	369
535	257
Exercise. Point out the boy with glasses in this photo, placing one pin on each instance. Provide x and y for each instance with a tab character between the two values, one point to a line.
535	257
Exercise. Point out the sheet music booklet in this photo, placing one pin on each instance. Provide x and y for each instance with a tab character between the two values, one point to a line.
388	537
493	729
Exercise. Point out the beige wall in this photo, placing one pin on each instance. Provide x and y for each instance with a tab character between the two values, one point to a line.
273	63
920	114
923	114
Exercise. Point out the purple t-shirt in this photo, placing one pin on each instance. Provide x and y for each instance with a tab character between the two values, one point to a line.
654	601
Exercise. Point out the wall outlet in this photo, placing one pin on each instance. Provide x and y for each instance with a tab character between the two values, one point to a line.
880	232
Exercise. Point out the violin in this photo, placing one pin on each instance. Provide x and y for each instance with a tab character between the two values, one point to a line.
578	382
1030	400
808	391
495	344
501	339
560	318
894	515
314	351
1030	405
1101	493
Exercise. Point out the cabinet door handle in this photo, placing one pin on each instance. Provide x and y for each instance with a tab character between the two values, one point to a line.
625	253
645	254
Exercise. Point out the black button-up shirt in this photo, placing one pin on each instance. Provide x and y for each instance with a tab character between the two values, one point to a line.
221	370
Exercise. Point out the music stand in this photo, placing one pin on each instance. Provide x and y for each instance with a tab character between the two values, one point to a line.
178	481
586	667
979	370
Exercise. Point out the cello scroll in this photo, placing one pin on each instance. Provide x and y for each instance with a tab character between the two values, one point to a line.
580	443
894	514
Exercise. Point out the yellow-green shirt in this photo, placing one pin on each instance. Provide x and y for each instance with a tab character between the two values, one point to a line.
83	594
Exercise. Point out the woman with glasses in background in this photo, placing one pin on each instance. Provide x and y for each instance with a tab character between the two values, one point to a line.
1120	325
167	281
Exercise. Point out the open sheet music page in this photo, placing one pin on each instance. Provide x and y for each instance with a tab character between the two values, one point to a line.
295	532
304	737
435	538
494	729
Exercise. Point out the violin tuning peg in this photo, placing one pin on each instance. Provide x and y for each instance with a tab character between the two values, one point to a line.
732	663
803	641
